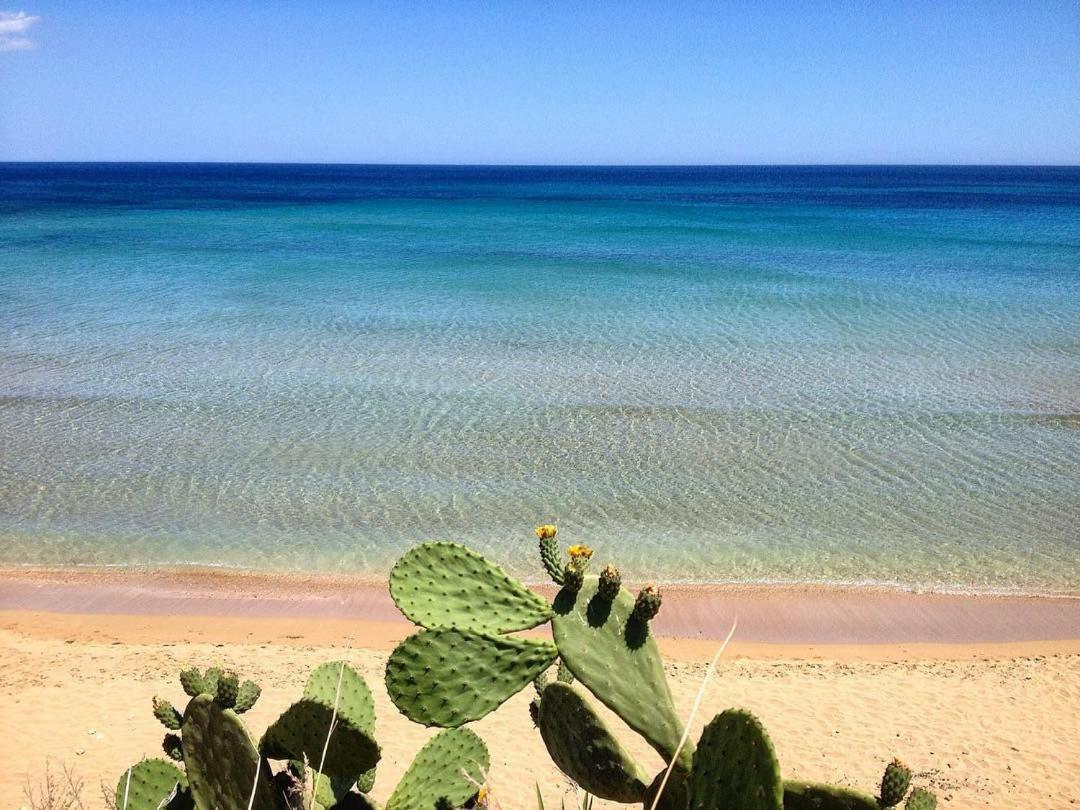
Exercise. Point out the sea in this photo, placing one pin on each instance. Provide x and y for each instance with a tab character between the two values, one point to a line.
852	375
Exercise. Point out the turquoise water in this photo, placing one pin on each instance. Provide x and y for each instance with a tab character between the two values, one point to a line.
861	375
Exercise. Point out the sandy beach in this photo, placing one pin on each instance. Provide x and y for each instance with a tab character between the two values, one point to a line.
978	694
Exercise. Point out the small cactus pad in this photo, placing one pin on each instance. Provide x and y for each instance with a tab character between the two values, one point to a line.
329	791
610	582
444	773
895	783
921	799
601	646
228	687
449	585
735	766
647	604
584	749
246	694
194	683
549	555
210	679
446	677
152	782
173	747
573	577
167	714
366	781
301	733
813	796
221	760
354	701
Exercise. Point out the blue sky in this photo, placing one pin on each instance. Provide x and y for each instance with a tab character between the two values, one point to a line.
535	82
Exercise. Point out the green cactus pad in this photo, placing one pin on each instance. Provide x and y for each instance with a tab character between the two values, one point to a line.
366	781
210	680
436	777
194	683
329	790
153	781
228	688
173	747
354	703
221	760
583	748
447	677
921	799
814	796
895	783
301	732
449	585
674	795
735	766
619	663
549	556
167	714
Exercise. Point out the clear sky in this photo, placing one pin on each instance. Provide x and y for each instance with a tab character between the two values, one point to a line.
968	81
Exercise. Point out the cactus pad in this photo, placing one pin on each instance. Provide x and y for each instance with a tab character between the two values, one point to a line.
921	799
167	714
446	677
584	749
194	683
301	733
153	781
173	747
228	687
812	796
601	646
246	694
449	585
330	791
354	702
895	783
549	554
735	766
221	760
437	776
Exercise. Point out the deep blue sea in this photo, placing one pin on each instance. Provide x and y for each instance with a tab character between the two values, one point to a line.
817	374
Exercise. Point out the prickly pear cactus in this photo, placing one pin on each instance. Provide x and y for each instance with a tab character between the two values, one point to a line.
608	652
573	578
151	783
447	677
330	791
228	687
301	732
814	796
445	773
449	585
610	583
194	683
921	799
353	698
246	694
895	783
735	766
647	604
549	552
221	760
173	747
167	714
584	749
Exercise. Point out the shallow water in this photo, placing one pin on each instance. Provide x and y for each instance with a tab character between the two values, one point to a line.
859	375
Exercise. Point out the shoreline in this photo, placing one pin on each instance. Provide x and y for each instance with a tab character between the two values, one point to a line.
783	615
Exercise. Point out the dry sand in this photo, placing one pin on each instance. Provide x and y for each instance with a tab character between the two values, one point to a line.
981	696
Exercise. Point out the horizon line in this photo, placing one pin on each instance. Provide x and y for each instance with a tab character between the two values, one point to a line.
386	164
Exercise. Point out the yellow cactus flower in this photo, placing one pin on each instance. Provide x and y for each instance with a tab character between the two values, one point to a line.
579	552
482	796
546	532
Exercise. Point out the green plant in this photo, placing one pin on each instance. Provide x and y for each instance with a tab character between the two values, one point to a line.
463	664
